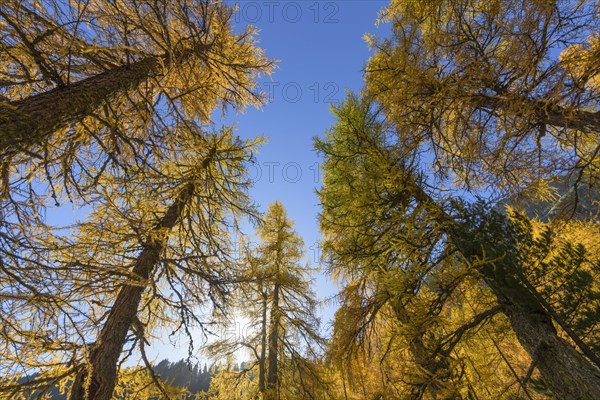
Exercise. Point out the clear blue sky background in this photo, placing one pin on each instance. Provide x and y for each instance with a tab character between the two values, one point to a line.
321	53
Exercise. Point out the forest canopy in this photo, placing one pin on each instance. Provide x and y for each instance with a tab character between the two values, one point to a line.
457	207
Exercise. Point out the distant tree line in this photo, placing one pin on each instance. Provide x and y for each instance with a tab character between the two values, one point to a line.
194	378
180	373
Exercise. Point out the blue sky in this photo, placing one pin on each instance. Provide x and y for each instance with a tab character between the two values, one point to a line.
321	53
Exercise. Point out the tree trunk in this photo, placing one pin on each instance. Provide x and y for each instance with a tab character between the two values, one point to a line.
545	113
97	379
272	392
29	122
568	374
439	376
538	111
263	347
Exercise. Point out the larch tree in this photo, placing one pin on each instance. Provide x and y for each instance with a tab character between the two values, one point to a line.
292	325
83	82
503	94
95	88
154	250
371	250
250	303
416	248
283	338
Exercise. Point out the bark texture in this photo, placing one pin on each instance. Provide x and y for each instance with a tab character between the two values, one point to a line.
263	347
566	371
97	379
537	111
439	374
568	374
272	392
29	122
545	113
